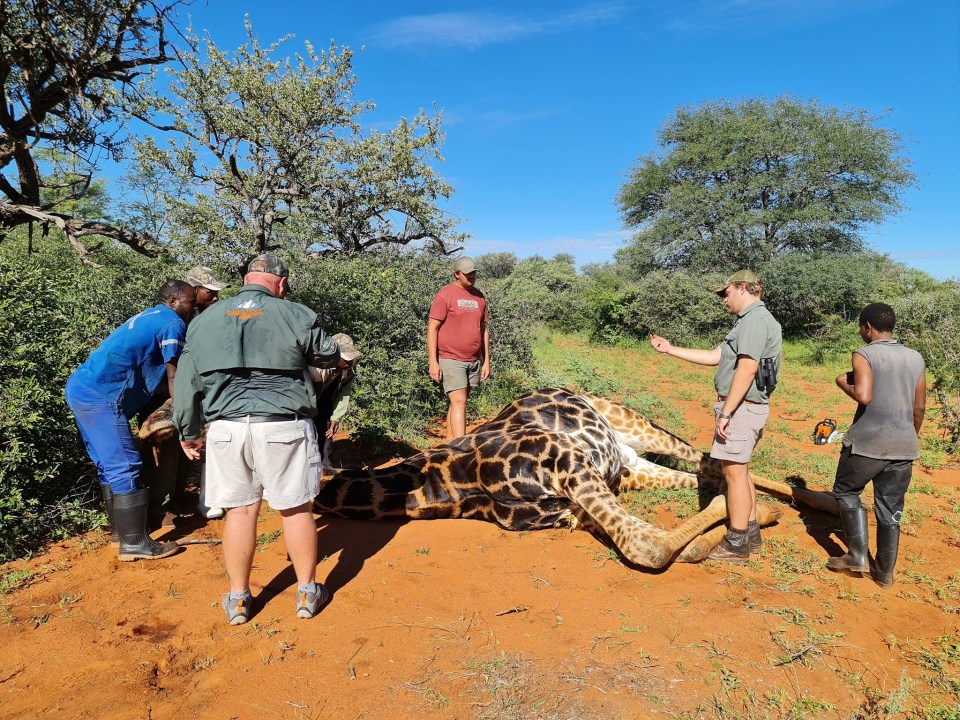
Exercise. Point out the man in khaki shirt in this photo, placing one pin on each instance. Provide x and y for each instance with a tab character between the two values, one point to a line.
747	363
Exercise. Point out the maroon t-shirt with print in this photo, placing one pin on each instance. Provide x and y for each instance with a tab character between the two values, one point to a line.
462	314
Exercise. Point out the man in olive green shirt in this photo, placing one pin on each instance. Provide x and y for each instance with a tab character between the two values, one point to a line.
747	363
245	370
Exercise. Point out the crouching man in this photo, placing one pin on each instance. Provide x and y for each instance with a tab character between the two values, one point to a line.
116	381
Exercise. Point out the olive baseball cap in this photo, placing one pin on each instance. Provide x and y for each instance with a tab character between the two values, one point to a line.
464	265
741	276
202	276
268	263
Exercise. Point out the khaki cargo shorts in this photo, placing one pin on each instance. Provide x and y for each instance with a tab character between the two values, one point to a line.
743	432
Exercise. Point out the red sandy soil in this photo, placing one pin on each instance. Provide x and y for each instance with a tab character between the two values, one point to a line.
459	619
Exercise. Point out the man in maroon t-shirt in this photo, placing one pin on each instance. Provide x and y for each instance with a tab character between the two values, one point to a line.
458	342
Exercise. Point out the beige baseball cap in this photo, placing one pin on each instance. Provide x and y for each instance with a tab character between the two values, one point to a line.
202	276
464	265
348	351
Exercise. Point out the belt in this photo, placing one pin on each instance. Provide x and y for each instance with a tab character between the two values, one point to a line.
721	398
264	418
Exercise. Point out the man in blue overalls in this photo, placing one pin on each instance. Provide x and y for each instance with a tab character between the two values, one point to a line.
118	379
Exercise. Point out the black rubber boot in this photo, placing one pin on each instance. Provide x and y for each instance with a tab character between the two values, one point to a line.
108	505
888	545
130	512
753	535
857	536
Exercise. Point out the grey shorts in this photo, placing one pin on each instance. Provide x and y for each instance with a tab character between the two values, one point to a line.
743	432
278	461
458	374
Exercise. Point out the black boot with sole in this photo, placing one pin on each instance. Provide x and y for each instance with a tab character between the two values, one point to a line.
130	513
858	537
888	545
108	506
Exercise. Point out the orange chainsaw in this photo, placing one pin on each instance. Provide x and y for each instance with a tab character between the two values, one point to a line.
825	432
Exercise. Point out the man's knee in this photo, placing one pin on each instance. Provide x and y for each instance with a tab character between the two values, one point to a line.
458	398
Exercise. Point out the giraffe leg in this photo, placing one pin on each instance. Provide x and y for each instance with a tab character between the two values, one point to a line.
639	541
698	549
816	499
634	430
645	475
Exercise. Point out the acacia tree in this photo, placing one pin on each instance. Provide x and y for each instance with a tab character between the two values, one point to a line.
71	72
737	184
274	155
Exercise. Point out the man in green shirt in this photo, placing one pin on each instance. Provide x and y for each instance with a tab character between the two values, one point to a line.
747	363
245	370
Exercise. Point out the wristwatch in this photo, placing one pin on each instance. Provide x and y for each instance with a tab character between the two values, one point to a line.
721	416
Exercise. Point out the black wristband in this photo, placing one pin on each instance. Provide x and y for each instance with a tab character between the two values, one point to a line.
721	416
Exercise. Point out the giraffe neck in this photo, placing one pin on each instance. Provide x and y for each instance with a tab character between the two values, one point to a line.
411	489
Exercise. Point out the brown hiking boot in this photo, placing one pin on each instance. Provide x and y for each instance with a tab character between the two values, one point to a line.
735	547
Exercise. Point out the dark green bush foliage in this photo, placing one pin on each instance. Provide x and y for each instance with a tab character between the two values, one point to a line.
542	291
802	289
609	299
383	301
496	265
44	335
680	306
53	312
929	322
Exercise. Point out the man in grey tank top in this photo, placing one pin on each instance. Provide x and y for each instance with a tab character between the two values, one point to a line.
888	381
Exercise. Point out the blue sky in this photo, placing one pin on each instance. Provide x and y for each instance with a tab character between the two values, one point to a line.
547	105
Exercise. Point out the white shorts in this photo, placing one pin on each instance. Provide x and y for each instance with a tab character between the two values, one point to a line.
248	461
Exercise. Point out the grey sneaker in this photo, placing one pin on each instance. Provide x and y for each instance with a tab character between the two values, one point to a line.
238	611
309	604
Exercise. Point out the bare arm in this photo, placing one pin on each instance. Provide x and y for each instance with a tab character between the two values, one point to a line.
700	357
171	375
485	369
860	386
920	402
433	332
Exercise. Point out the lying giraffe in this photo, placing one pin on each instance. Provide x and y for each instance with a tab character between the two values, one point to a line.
549	456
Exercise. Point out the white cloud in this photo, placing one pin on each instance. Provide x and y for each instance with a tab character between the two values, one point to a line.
710	16
489	121
475	29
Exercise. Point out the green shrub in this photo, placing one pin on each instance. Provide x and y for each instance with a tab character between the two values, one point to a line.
679	306
542	291
929	322
803	290
44	332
